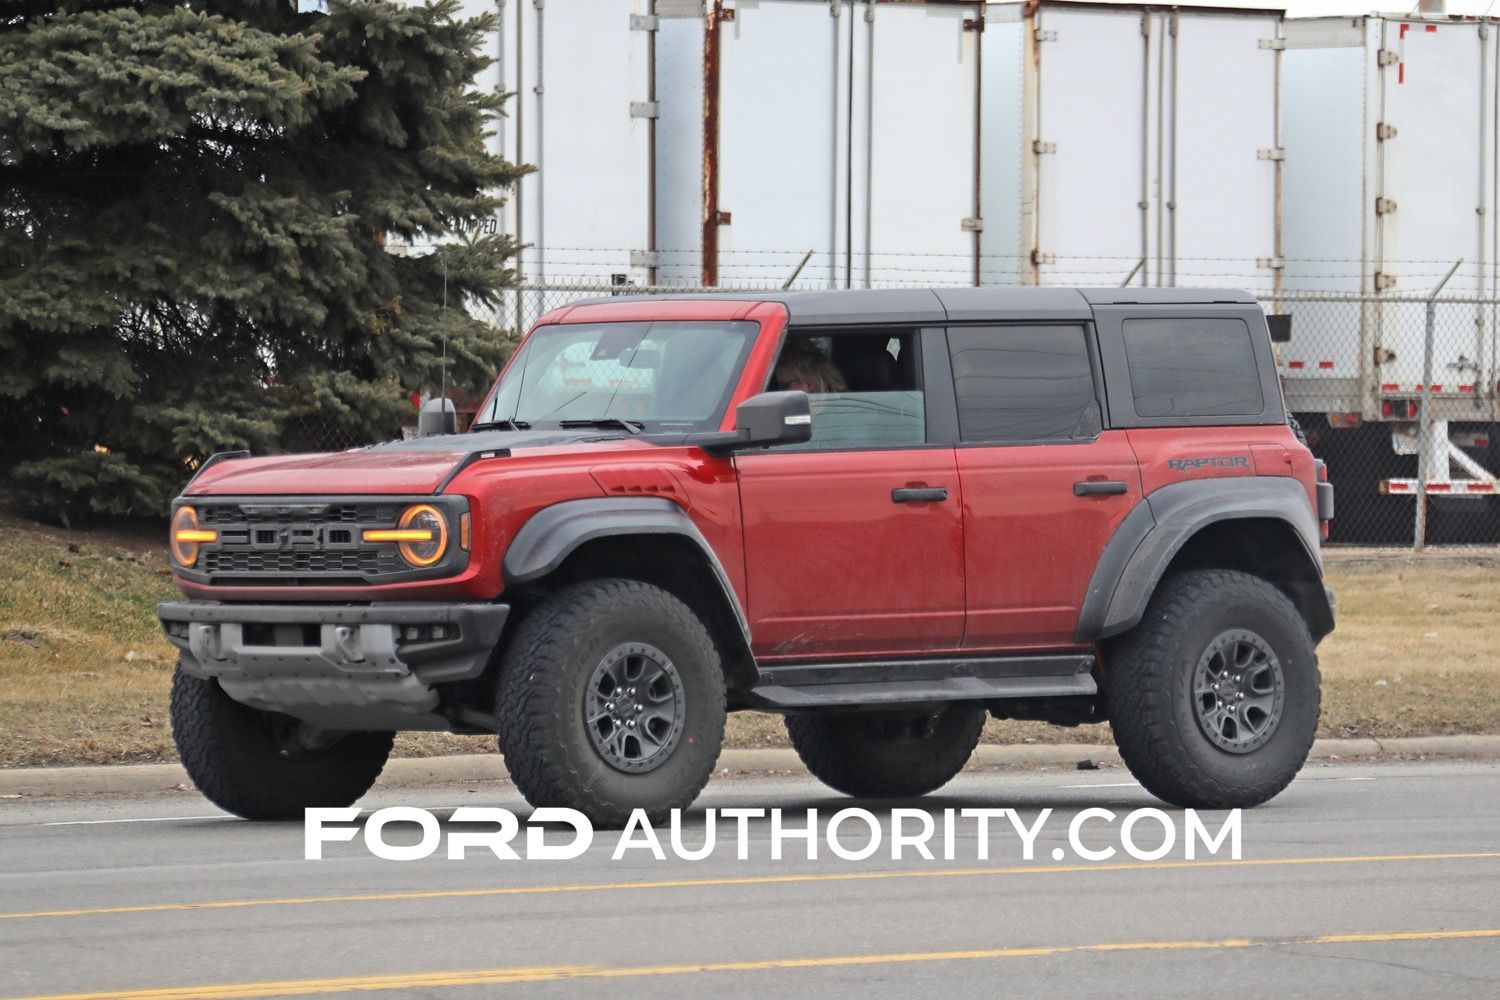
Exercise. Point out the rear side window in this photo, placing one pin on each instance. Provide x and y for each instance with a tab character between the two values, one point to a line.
1023	383
1192	368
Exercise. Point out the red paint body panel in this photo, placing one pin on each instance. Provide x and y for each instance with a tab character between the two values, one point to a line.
333	473
1030	544
1268	450
837	568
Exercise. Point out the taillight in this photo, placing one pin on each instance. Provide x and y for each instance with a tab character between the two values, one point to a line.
1324	490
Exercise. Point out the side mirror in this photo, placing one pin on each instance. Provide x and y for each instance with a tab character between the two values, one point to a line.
764	420
437	416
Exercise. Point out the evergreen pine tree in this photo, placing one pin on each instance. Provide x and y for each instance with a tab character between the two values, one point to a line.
194	202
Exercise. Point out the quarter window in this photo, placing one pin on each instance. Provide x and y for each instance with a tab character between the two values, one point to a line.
1023	383
1192	368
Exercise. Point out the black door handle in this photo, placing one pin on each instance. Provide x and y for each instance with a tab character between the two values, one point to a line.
1099	487
919	494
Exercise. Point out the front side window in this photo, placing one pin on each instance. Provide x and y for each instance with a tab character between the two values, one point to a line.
1023	383
664	377
863	388
1192	368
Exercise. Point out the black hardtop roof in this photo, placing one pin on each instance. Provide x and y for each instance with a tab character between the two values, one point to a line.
855	307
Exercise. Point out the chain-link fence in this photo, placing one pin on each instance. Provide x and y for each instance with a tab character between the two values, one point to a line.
1380	385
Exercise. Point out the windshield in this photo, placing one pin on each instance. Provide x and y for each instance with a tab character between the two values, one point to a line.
672	377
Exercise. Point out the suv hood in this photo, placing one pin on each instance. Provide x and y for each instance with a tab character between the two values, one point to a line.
416	466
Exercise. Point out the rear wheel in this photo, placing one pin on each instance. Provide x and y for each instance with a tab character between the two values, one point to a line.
611	699
264	765
1214	697
888	754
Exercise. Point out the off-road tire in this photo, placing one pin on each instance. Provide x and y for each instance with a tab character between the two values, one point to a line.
543	678
1150	675
857	754
233	757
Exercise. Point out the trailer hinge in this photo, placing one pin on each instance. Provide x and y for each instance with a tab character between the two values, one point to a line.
645	109
1384	131
1270	154
720	218
1044	36
726	14
1384	281
645	258
1273	43
1038	258
1385	206
1274	263
1039	147
1385	57
971	225
973	24
644	22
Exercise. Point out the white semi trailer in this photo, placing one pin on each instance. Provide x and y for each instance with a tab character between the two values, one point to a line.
1390	182
964	143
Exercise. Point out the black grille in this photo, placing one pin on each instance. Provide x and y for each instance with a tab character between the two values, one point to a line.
332	514
230	561
286	543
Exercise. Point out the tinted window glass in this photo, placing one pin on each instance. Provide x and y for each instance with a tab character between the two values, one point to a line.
1192	368
1023	383
862	388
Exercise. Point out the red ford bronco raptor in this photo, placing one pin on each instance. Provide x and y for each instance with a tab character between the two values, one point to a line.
883	514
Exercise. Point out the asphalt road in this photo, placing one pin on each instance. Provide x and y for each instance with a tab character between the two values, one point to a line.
1361	880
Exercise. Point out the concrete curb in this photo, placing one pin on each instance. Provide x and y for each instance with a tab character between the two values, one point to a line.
414	771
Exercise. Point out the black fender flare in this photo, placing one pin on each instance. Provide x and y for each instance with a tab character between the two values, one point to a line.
1145	543
553	533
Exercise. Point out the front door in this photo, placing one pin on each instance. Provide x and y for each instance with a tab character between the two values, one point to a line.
854	540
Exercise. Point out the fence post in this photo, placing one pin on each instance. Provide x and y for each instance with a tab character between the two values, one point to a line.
1424	417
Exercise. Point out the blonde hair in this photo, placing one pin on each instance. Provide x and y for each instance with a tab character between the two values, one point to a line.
801	362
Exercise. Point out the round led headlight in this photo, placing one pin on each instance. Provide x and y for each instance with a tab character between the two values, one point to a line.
186	536
425	535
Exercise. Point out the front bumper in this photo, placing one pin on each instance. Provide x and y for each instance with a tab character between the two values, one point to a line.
339	666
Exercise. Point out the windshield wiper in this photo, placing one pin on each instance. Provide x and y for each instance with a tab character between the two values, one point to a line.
633	426
503	425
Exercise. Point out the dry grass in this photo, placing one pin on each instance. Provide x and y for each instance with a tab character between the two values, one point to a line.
84	671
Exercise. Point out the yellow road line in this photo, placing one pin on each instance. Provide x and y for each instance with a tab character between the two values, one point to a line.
539	974
743	880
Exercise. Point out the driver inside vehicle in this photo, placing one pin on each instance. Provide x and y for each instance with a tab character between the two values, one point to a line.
805	368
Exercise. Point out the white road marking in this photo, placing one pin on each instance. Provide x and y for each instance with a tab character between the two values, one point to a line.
1115	784
139	819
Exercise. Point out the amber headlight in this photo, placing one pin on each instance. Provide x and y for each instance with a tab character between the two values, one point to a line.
421	536
186	536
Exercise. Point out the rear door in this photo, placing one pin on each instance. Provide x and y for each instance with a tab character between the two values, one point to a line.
1044	484
854	541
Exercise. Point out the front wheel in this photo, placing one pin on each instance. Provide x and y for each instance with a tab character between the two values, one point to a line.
263	765
887	755
611	699
1214	697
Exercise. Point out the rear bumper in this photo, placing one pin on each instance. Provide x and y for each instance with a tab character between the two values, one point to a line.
338	666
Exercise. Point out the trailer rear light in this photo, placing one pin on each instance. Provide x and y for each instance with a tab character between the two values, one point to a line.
1400	409
1344	419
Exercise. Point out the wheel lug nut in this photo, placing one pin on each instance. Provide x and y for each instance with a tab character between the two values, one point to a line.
609	707
640	708
631	723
